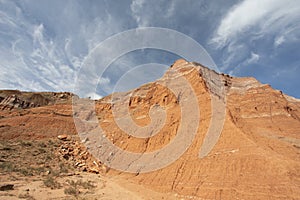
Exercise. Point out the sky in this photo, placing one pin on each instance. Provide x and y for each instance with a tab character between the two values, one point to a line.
44	44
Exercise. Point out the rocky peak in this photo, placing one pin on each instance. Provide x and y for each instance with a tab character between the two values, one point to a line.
257	148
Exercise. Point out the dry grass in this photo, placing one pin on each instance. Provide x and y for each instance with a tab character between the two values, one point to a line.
76	186
26	196
51	183
32	158
38	160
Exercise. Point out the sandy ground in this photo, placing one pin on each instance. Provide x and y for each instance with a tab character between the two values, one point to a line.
105	188
36	171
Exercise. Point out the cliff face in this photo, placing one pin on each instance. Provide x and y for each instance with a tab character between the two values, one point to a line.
243	136
256	155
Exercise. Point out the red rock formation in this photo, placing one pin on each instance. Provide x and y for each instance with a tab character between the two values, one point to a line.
256	156
27	115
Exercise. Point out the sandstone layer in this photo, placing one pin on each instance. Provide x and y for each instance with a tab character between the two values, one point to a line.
246	145
256	156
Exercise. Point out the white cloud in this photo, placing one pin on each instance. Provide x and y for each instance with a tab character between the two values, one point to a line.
136	6
253	26
94	96
43	43
38	34
104	80
253	58
279	40
42	48
171	10
231	56
147	13
266	16
288	35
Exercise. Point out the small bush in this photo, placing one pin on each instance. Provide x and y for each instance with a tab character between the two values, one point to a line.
42	145
52	183
25	172
72	191
26	196
63	168
26	143
86	184
7	166
74	187
41	150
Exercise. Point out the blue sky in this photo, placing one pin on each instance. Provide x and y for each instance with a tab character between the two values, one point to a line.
44	43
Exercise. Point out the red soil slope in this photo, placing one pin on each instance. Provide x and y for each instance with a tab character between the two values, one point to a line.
257	155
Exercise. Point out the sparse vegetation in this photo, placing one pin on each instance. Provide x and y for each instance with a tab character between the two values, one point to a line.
7	166
63	168
25	171
79	183
26	196
42	150
38	161
76	186
72	191
26	143
29	158
51	183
